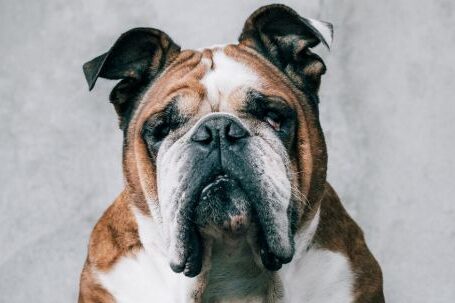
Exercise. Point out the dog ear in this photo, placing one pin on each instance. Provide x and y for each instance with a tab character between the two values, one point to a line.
137	57
284	38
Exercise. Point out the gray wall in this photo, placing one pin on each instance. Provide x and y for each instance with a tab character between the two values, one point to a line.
387	107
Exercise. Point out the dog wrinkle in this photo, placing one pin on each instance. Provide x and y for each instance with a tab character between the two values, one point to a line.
224	75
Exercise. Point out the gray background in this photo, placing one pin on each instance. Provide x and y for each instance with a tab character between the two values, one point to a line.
387	107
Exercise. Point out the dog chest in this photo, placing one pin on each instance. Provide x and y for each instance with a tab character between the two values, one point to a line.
317	276
234	275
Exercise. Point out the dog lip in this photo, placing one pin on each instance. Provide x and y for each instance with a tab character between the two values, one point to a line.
216	181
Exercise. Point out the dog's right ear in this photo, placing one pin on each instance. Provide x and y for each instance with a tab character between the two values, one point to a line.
137	58
284	38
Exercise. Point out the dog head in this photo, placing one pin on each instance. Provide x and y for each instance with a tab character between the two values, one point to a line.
222	140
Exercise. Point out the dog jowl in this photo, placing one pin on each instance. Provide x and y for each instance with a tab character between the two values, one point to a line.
225	164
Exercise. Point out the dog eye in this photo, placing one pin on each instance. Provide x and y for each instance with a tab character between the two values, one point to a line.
157	131
161	131
274	120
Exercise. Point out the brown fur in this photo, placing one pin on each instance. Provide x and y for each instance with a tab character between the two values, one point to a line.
338	232
114	236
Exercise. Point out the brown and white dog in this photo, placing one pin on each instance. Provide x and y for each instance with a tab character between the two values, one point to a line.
225	175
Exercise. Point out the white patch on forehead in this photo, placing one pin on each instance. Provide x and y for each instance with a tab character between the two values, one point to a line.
226	76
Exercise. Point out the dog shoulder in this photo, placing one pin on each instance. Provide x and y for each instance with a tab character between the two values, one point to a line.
337	232
90	290
114	236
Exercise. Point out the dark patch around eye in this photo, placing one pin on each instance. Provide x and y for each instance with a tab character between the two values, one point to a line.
160	125
275	112
259	105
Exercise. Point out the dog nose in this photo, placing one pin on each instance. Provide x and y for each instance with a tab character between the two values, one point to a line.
220	128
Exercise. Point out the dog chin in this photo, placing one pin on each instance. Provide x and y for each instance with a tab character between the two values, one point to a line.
225	212
223	208
228	210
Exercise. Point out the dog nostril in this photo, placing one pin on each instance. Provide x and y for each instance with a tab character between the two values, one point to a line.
235	131
202	135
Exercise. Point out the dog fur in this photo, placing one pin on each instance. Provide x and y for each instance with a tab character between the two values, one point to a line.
242	253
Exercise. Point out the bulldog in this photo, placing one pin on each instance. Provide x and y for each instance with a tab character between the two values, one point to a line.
224	160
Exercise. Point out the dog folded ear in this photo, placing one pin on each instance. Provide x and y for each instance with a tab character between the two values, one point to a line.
285	38
137	57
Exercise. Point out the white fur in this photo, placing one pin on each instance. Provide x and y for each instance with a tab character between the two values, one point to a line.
304	238
316	275
144	278
150	233
324	28
275	183
170	166
227	76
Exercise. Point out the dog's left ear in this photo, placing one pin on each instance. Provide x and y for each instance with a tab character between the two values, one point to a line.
137	58
284	38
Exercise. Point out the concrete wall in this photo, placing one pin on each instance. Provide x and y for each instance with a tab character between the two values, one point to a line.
387	108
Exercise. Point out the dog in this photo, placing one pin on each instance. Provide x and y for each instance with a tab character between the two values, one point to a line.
224	160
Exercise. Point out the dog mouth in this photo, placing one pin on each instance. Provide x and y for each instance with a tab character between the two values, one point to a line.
227	208
223	206
219	181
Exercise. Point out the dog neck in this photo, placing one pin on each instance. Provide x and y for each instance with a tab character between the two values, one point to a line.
233	271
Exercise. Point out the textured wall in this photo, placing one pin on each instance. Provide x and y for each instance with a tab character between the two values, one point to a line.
387	108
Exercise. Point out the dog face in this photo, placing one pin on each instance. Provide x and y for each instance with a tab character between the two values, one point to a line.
224	140
222	147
